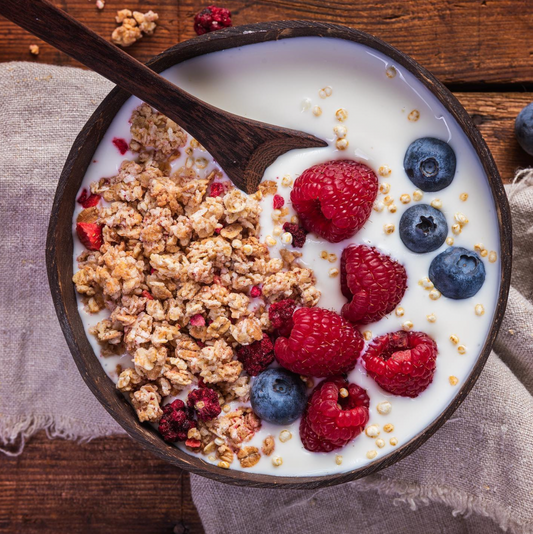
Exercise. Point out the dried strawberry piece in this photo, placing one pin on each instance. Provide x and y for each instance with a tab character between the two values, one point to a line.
88	201
205	402
219	189
299	235
121	144
256	292
210	19
278	202
330	420
193	443
197	320
176	421
90	234
257	356
147	295
280	315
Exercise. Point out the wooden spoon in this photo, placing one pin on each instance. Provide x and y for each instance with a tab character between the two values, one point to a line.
244	148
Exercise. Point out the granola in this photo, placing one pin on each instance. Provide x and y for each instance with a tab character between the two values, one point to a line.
179	273
133	25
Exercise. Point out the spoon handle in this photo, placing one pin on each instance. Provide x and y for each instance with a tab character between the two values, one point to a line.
242	147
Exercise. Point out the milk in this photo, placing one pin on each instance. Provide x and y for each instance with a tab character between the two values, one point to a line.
279	82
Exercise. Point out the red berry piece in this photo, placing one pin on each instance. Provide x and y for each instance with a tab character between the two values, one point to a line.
402	363
147	295
205	402
88	201
321	343
373	283
256	292
299	235
280	315
197	320
331	420
278	202
90	234
218	189
176	421
121	144
210	19
334	199
257	356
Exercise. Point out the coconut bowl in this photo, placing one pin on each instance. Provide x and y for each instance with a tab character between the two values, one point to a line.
59	251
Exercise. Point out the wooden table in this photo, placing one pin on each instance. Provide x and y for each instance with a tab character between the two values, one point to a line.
483	51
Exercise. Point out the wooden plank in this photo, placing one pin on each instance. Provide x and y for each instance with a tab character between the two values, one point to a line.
107	485
15	41
494	114
459	41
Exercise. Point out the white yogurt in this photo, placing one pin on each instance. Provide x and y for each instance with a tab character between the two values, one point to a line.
279	82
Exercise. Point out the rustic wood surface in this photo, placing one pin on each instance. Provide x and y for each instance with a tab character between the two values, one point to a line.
106	485
112	485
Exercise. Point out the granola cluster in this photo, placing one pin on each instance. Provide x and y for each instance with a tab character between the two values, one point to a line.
185	278
133	25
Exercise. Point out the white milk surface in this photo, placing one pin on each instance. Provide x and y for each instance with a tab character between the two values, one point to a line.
275	82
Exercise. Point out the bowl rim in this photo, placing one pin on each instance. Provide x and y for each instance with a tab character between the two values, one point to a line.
59	247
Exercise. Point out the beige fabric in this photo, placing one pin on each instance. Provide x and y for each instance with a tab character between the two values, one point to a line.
475	475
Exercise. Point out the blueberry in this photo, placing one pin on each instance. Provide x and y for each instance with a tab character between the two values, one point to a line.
457	273
523	128
278	396
430	164
423	228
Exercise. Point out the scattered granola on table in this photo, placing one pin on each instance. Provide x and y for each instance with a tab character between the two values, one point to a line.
174	256
133	25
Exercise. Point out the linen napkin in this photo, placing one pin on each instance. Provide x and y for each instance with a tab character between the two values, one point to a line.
474	475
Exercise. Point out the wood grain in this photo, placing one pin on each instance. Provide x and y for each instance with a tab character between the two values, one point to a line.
459	41
14	41
109	485
494	115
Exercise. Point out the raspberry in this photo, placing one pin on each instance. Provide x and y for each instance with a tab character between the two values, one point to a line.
299	235
280	315
373	283
205	402
321	343
256	357
256	292
176	421
197	320
334	199
331	421
278	202
402	363
90	234
88	201
121	144
210	19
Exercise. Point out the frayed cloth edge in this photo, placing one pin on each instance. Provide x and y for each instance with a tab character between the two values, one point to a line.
14	431
461	503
